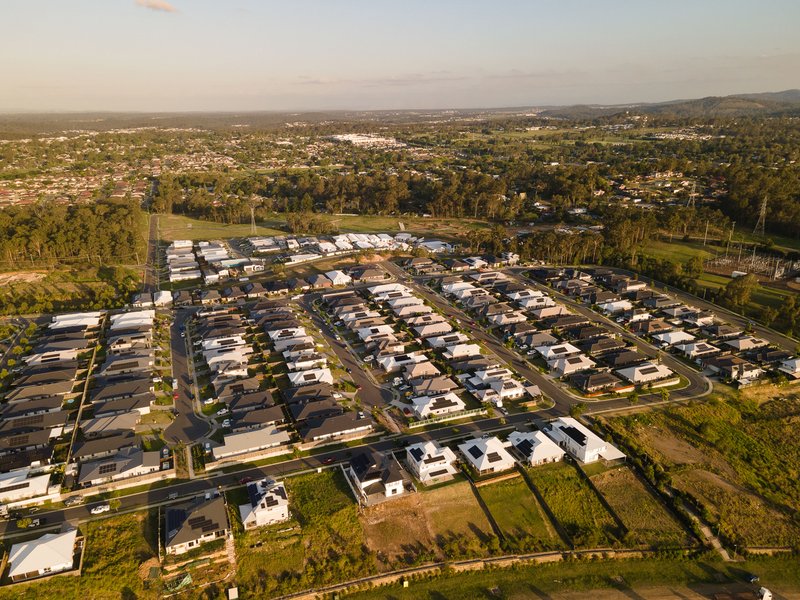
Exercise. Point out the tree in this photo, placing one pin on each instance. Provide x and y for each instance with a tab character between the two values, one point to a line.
664	394
633	398
739	291
114	504
577	409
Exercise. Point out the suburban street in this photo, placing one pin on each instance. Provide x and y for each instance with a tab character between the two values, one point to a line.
187	427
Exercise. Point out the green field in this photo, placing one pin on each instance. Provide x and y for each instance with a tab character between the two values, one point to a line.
519	516
736	454
625	578
324	545
115	549
574	504
678	250
178	227
648	521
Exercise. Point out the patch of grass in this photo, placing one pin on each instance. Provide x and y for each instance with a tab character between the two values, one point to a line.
519	516
648	521
115	549
574	504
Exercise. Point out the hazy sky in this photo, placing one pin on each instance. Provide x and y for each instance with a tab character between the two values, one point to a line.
357	54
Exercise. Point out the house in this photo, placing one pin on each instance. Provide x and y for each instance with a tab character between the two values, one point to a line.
433	386
420	370
338	278
22	484
555	351
426	407
612	308
507	318
194	524
458	351
248	441
318	281
746	342
487	455
269	503
566	365
535	447
128	462
348	425
722	331
601	345
448	339
790	367
646	372
376	476
672	338
592	383
430	462
299	378
433	329
695	350
733	368
582	443
46	555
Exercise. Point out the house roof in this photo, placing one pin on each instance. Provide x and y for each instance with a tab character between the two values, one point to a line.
189	523
46	552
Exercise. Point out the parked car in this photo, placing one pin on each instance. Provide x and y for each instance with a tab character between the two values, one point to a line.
328	461
245	480
74	501
223	411
226	423
100	509
209	401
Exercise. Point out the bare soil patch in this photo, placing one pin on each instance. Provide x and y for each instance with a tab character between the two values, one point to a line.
397	529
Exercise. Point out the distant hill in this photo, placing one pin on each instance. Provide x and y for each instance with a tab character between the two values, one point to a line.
766	103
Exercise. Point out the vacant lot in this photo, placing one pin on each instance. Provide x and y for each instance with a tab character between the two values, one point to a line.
519	516
328	546
458	524
178	227
115	550
399	531
647	520
736	454
574	504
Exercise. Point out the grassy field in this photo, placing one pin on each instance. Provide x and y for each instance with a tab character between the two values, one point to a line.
519	515
612	581
678	250
458	524
648	521
173	227
116	548
574	504
326	543
735	453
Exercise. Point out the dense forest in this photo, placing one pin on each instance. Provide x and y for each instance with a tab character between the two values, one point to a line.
45	234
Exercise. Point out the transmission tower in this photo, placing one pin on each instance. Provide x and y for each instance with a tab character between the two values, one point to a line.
762	218
690	201
252	219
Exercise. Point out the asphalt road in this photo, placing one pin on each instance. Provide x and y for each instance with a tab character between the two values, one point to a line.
187	426
561	398
370	393
155	497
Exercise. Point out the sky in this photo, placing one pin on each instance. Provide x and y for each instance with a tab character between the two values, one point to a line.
299	55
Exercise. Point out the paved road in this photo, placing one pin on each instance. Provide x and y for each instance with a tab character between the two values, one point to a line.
214	480
187	427
370	393
562	398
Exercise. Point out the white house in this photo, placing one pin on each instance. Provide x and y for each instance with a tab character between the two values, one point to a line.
20	484
398	361
671	338
556	351
300	378
48	554
645	372
611	308
448	339
791	367
432	329
375	475
430	462
568	365
457	351
338	277
581	442
437	405
746	342
268	504
487	455
536	447
694	350
162	298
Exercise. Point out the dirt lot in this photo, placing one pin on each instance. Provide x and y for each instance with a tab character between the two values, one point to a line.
21	277
398	529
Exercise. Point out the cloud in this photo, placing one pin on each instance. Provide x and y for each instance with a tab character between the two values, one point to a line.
157	5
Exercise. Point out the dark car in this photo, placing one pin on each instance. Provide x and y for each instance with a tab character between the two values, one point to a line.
245	480
328	461
752	578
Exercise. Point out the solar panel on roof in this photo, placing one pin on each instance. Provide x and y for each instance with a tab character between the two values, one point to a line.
109	468
494	457
475	452
417	453
649	370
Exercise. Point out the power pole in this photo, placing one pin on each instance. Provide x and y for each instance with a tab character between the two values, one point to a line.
252	219
730	237
705	235
762	218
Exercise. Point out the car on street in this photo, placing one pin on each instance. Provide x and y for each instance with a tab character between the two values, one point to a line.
226	423
245	480
223	411
209	401
73	501
100	509
37	522
349	370
328	461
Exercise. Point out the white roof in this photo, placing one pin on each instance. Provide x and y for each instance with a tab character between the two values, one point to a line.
486	453
674	337
51	551
541	446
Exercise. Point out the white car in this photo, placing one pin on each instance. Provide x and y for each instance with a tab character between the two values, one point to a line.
100	509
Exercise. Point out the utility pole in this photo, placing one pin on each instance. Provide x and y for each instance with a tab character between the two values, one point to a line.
762	218
252	219
705	235
730	237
